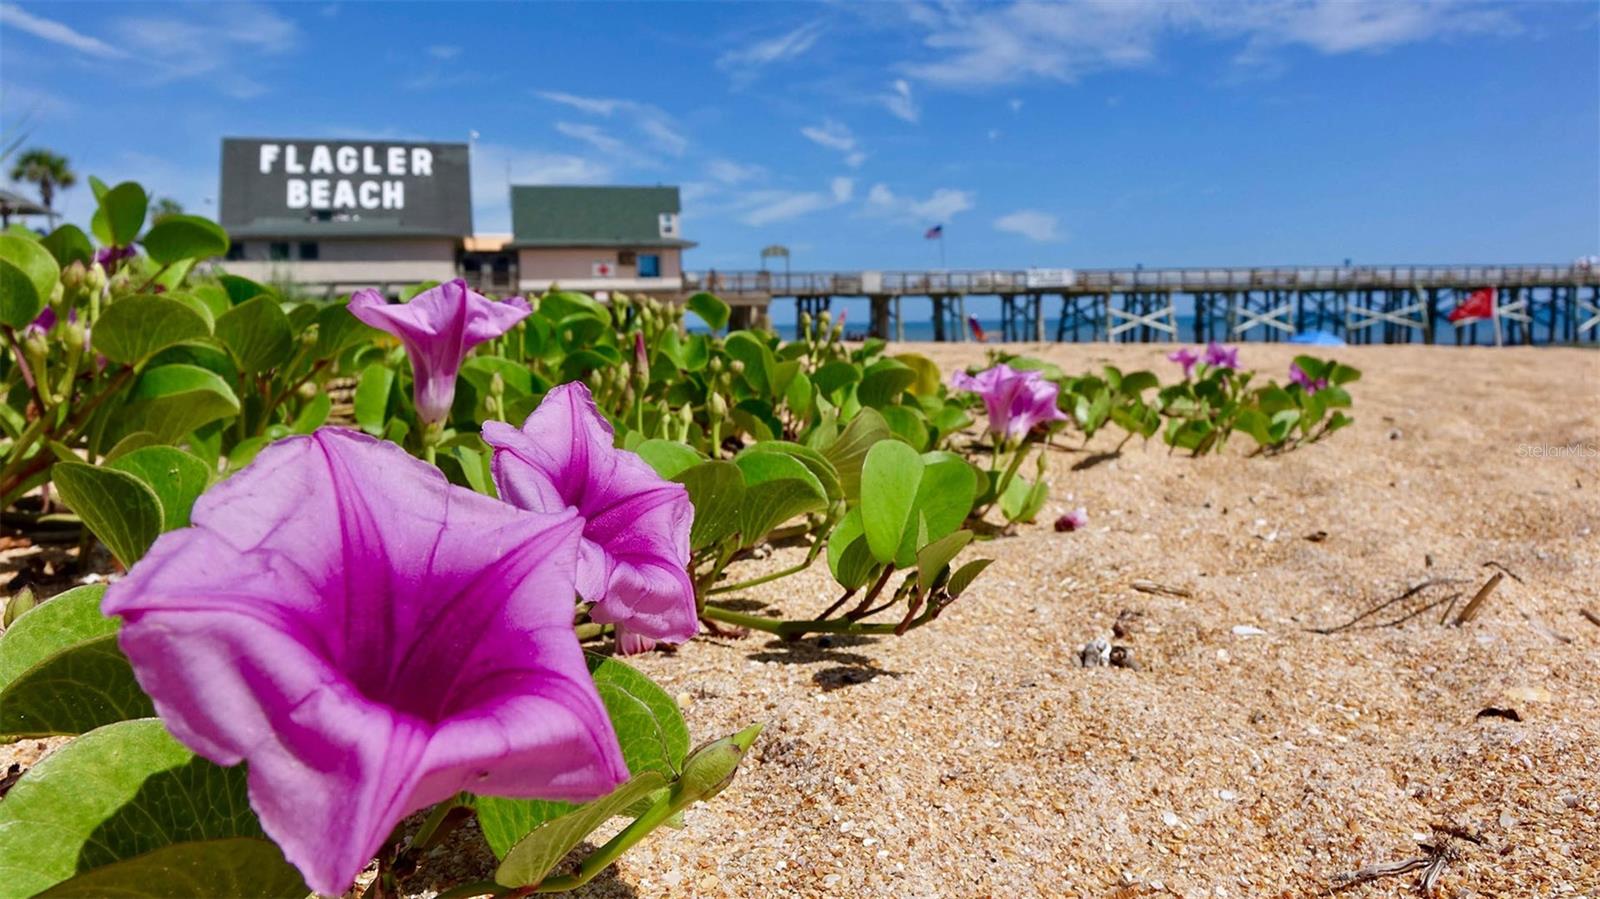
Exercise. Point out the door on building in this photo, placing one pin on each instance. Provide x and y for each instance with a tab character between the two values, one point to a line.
649	265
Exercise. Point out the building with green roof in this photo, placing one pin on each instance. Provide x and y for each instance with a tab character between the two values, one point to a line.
598	239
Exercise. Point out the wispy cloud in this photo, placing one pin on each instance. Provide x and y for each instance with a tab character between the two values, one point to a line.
444	51
1030	223
770	206
727	171
215	42
900	103
981	46
495	165
657	128
13	16
940	206
745	63
594	136
843	189
836	135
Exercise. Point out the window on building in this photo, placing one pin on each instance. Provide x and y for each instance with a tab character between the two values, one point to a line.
627	257
235	251
309	249
649	265
278	251
669	224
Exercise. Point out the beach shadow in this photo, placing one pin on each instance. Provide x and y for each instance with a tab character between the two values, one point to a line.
840	676
812	650
1093	459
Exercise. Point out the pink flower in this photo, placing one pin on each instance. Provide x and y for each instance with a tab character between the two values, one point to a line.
438	327
632	563
1076	520
1016	401
1186	358
1298	376
372	640
1218	356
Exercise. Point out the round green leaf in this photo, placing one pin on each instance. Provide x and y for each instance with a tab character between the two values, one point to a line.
257	333
68	244
114	794
65	621
716	489
778	487
177	237
537	854
172	400
372	398
669	458
711	309
889	480
28	275
239	868
176	478
135	328
121	214
116	506
73	691
849	451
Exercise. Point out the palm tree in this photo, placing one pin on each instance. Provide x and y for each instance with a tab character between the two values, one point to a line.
164	207
47	169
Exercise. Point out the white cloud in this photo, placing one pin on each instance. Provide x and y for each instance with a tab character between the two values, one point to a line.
14	16
19	103
940	206
214	42
1015	103
994	134
776	206
843	189
745	63
831	134
652	122
985	45
729	172
444	51
1030	223
836	136
900	103
594	136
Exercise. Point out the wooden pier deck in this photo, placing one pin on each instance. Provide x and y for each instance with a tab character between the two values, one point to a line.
1363	304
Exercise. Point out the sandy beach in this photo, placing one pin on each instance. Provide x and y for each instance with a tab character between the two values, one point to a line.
975	757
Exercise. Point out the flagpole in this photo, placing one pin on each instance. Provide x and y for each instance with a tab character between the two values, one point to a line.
942	266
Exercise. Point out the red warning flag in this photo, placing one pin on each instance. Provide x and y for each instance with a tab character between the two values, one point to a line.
1479	304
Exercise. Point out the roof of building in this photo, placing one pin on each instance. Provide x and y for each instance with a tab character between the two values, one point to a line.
592	216
301	228
17	204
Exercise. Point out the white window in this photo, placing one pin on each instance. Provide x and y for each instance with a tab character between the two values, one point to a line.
669	224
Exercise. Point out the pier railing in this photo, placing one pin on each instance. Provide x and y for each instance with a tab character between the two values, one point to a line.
1082	281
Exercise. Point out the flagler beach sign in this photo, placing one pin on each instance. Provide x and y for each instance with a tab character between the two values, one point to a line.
412	187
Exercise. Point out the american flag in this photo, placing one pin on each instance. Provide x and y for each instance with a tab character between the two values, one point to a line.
934	233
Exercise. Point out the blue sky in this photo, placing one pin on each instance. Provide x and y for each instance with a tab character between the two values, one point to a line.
1077	135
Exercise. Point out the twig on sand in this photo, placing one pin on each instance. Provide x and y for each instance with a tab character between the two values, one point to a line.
1435	856
1476	602
1589	614
1144	586
1413	591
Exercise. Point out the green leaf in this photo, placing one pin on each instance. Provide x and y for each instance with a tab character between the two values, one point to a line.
824	471
798	396
68	244
135	328
711	309
114	794
177	237
116	506
73	691
172	400
849	452
28	275
889	482
908	424
716	489
750	349
337	329
536	855
944	498
836	374
849	556
962	579
1023	500
778	487
240	289
258	334
238	868
1135	383
372	398
312	415
649	726
883	383
669	458
121	213
928	381
176	478
68	619
932	559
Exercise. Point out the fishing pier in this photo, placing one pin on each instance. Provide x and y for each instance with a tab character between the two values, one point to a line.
1361	304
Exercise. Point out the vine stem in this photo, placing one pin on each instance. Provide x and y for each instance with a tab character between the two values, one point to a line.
795	629
765	578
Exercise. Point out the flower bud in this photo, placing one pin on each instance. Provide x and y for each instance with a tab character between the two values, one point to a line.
95	279
497	385
18	604
717	406
708	770
75	335
307	391
715	365
737	366
805	321
73	276
57	294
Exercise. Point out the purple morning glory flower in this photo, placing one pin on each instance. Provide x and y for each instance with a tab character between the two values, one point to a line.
632	563
108	257
372	640
1219	356
44	322
1298	376
438	327
1186	358
1016	400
